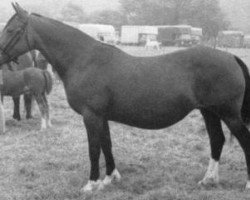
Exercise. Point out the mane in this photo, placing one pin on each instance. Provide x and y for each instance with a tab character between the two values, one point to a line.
57	24
36	14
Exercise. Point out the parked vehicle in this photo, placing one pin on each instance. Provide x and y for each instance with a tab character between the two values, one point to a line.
196	35
102	32
174	35
232	39
2	25
246	41
138	35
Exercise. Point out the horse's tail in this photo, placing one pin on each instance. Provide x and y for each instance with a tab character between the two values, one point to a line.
245	110
48	81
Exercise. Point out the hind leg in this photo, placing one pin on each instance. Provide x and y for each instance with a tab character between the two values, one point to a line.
16	113
42	107
2	119
28	105
217	139
48	121
239	130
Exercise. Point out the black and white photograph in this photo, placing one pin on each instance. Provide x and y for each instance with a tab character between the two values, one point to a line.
125	100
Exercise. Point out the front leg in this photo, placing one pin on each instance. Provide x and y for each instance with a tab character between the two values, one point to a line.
99	138
106	145
94	127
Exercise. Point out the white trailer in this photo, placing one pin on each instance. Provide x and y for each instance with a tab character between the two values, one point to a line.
2	25
103	32
133	34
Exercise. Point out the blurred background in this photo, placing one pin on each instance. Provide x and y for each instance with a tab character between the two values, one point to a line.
212	17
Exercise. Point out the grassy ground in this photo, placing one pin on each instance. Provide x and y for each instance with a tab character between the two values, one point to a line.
164	164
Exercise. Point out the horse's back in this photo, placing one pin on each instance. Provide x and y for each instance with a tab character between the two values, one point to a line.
158	91
33	74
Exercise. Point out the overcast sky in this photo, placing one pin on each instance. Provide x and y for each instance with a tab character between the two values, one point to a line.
237	11
46	6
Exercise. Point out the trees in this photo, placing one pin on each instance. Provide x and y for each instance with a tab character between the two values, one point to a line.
207	15
111	17
73	12
146	12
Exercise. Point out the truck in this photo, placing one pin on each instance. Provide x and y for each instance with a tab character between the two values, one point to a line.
138	35
175	35
196	35
231	39
246	41
179	35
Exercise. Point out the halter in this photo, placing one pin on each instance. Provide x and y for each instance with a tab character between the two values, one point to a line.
14	39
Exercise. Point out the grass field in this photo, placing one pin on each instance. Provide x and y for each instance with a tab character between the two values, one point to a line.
155	165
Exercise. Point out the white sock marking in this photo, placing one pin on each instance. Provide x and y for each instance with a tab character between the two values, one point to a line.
114	176
248	185
92	185
43	123
212	174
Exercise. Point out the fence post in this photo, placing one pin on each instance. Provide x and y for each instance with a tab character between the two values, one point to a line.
2	114
2	119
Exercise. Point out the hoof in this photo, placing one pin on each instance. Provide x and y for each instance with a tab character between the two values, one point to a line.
92	186
49	124
29	117
248	185
43	128
114	176
18	118
208	181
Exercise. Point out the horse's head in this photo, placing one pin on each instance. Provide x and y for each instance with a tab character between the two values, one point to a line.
14	40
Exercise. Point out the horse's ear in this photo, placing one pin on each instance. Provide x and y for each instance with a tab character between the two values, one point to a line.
14	6
20	11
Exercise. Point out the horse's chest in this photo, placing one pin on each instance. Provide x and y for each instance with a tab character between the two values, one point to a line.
84	95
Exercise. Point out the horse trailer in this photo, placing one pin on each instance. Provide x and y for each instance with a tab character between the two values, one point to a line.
103	32
138	35
179	35
233	39
246	43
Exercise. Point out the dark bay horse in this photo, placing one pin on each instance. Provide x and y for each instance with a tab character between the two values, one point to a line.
32	81
103	83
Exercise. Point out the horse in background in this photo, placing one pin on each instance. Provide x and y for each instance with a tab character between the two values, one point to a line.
30	81
152	44
24	61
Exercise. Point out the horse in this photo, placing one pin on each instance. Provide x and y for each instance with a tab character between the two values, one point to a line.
152	44
32	81
102	83
24	61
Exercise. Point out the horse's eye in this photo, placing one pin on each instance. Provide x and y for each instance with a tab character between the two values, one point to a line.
10	30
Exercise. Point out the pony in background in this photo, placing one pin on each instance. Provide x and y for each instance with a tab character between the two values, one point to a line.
30	81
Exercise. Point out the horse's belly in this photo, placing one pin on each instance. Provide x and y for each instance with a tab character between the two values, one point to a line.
151	116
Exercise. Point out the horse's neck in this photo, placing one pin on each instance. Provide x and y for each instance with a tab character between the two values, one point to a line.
61	45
